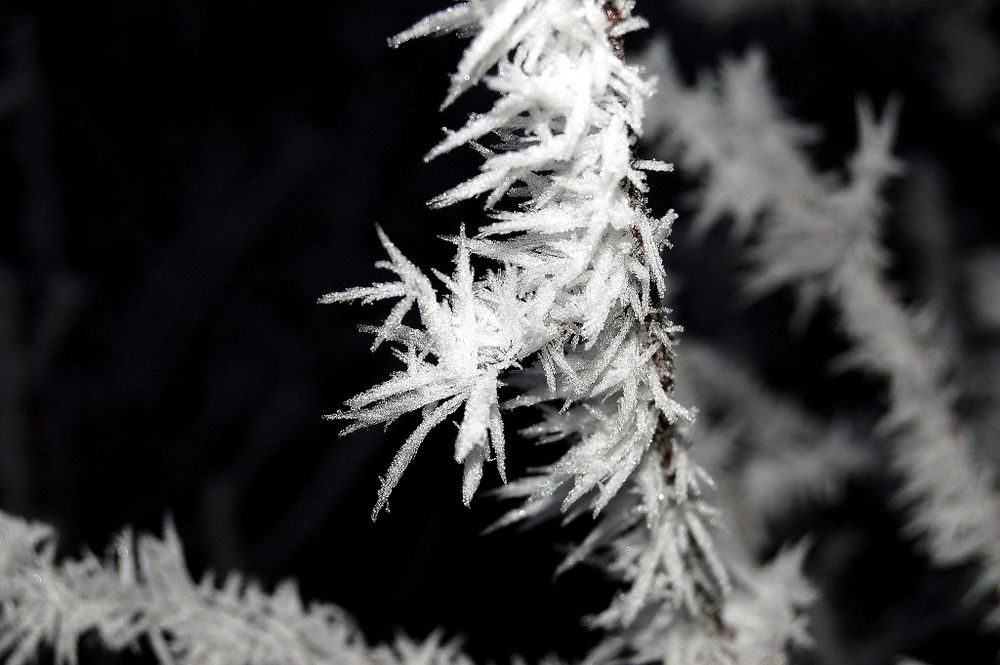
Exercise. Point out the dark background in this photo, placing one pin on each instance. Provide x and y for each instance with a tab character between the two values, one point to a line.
182	179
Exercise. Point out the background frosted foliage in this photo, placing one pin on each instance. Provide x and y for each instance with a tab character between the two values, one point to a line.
727	359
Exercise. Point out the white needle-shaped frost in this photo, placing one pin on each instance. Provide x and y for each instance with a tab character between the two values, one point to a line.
576	273
569	318
145	596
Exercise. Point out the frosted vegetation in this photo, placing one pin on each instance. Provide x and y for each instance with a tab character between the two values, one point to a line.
557	303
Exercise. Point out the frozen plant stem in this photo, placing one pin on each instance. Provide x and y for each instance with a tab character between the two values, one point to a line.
571	319
580	277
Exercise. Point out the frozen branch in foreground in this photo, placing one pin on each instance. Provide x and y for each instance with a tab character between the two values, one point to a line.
570	320
572	305
145	596
819	235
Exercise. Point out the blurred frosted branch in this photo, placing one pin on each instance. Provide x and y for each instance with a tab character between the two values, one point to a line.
144	594
966	328
818	234
767	453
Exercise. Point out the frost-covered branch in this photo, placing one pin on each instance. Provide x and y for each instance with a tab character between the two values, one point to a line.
570	320
145	596
142	596
819	235
573	302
